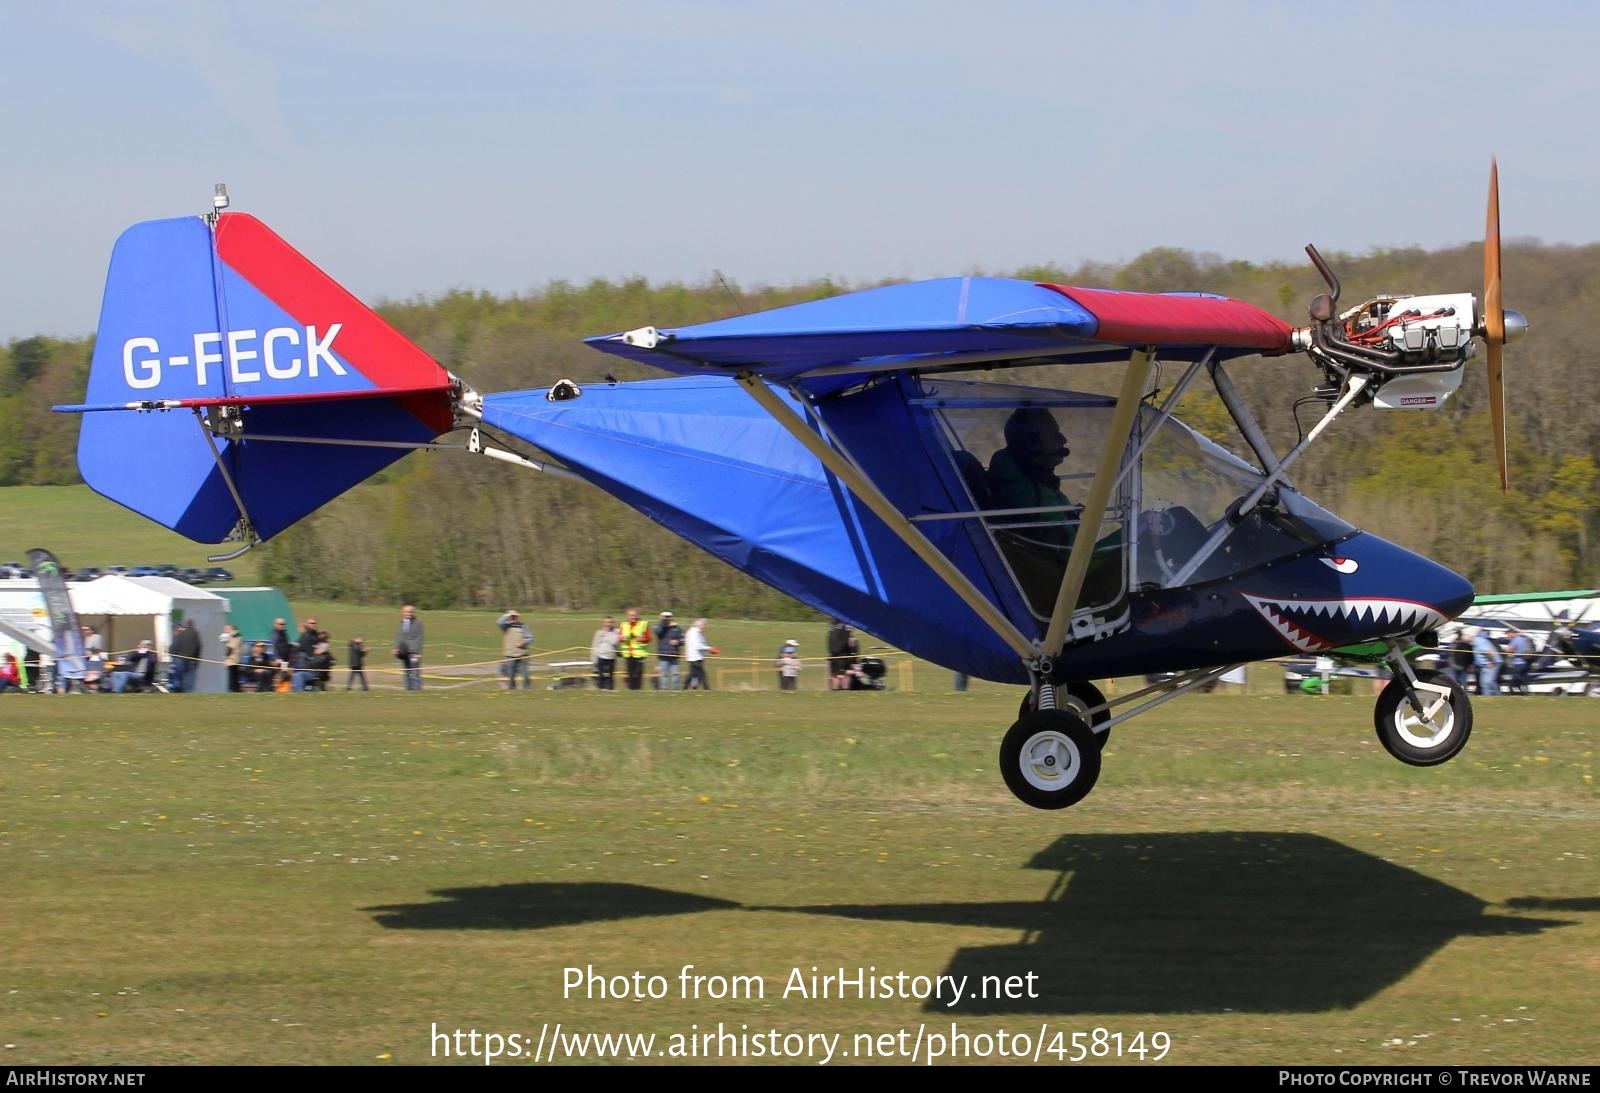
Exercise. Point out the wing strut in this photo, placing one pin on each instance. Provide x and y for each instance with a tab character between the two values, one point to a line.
1106	475
860	485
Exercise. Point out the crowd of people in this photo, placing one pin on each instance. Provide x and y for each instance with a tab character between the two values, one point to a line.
1502	663
281	663
635	642
664	655
680	655
127	671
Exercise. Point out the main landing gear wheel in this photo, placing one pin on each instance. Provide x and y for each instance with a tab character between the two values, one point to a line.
1424	741
1079	697
1050	759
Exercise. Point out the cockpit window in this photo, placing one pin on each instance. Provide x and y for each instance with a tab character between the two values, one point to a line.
1027	456
1190	487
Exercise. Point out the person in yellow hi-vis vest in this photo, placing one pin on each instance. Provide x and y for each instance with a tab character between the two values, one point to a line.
632	647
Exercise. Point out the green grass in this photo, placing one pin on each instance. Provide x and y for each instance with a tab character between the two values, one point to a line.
323	878
82	528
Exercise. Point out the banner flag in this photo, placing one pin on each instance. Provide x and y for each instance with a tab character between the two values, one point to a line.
63	619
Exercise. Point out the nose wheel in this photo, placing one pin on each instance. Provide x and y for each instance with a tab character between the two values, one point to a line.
1050	759
1425	725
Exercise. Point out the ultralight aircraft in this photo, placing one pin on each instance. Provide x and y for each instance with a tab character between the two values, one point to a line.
830	450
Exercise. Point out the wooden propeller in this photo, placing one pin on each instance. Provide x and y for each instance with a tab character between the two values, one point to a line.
1494	324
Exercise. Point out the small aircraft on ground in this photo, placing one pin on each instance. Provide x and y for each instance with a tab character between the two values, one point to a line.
1563	626
1031	535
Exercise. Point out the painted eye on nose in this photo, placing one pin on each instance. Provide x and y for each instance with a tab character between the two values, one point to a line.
1342	565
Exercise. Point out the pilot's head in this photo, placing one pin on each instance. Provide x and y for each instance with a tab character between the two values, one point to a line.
1033	435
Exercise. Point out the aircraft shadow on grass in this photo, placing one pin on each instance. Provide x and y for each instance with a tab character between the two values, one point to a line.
1540	903
1208	922
540	906
1136	923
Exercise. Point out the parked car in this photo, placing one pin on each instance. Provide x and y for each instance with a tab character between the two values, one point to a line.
217	573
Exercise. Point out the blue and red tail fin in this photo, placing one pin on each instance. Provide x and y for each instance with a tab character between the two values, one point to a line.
231	324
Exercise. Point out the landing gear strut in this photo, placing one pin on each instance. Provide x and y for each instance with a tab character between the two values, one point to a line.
1080	697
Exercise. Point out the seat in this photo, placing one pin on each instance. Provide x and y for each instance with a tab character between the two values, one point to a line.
976	478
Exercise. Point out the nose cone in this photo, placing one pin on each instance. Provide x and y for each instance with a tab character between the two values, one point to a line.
1403	574
1358	590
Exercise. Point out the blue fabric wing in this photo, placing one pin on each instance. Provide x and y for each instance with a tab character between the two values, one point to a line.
916	324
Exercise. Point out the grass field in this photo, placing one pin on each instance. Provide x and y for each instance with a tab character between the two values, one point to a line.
326	878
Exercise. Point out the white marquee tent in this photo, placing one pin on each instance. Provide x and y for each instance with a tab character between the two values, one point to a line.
127	610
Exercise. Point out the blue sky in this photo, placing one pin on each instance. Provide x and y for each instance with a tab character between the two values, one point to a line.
411	148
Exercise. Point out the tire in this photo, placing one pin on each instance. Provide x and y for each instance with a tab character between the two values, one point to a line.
1402	733
1050	759
1078	696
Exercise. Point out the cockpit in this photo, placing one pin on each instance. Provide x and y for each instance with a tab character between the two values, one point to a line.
1026	456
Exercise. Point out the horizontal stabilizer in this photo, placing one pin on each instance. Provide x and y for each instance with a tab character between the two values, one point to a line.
202	324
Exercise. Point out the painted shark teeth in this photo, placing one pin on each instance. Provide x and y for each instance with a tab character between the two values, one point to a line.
1372	616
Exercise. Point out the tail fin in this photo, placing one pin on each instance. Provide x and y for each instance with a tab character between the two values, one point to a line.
243	387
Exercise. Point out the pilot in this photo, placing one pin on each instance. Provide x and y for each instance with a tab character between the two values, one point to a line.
1022	475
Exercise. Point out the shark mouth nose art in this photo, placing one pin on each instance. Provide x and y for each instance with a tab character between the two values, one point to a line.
1372	617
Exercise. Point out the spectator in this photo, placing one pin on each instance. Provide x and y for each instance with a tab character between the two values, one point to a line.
695	648
669	651
94	673
789	646
603	651
309	637
1519	654
137	670
282	648
358	663
32	679
1458	658
842	649
311	669
10	674
185	652
322	661
258	668
635	639
1486	660
408	647
232	654
515	639
789	666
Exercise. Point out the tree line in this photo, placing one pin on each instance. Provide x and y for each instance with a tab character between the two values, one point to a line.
444	531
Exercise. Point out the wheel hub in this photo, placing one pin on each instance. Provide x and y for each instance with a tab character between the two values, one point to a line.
1048	759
